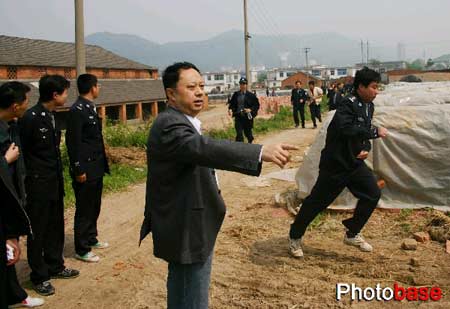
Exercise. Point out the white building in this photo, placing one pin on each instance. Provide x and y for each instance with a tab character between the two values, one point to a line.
332	72
276	76
220	81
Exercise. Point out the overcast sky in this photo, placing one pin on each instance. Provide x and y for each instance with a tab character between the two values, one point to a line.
414	22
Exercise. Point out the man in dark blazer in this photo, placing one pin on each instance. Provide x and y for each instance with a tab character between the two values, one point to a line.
244	106
298	100
184	208
88	165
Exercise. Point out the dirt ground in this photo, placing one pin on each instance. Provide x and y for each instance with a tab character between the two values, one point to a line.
251	266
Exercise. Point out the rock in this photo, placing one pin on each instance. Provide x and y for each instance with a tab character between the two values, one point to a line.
448	246
414	262
409	244
422	237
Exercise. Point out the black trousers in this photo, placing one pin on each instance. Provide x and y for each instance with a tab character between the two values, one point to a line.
243	126
45	248
362	185
15	293
315	113
3	276
299	108
88	197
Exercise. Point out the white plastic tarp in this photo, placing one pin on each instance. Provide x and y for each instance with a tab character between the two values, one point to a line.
414	160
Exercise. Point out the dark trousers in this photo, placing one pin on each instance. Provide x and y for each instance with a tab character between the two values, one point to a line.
243	126
45	248
315	113
362	185
88	197
299	108
188	285
14	292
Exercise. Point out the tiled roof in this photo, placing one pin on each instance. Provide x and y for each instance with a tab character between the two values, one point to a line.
112	91
17	51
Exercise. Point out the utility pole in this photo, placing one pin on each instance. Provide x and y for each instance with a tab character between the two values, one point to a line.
367	52
306	50
362	53
80	51
247	56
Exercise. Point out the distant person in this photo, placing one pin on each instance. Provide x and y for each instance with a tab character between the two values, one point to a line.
244	106
298	100
14	221
88	165
41	136
334	99
315	98
342	165
273	92
184	208
267	92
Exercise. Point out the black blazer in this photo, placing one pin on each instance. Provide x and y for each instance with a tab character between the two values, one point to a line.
251	101
184	208
40	148
84	141
297	95
14	221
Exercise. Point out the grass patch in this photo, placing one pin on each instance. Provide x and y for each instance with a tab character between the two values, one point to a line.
318	220
121	177
126	136
405	214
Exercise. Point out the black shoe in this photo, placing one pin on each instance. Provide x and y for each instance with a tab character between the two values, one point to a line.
296	126
45	288
67	273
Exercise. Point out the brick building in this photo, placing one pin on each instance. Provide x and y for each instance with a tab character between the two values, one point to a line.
289	82
129	90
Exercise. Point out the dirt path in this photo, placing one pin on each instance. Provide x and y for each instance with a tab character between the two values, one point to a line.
251	268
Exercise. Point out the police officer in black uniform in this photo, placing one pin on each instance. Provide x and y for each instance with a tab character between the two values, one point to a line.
298	100
244	106
88	165
41	136
14	221
342	165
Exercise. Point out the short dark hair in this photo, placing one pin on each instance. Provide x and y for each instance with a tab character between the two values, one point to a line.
311	82
365	76
13	92
298	81
85	82
49	84
171	74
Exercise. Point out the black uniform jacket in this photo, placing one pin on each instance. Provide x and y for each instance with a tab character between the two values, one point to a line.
297	95
184	208
347	135
334	99
84	141
250	101
40	147
14	221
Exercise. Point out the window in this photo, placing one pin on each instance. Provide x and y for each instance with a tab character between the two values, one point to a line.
281	74
67	73
209	77
332	72
219	77
289	74
316	72
236	77
342	71
11	72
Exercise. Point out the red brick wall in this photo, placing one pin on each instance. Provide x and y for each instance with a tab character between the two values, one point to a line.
3	74
289	82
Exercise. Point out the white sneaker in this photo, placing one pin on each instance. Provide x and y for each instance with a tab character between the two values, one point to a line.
29	302
88	257
358	241
295	247
100	245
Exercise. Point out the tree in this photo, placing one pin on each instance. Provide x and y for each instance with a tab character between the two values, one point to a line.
262	77
417	64
430	62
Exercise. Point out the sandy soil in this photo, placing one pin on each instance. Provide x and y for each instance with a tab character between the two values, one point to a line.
252	268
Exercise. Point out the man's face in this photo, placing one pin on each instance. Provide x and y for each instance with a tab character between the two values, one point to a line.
298	85
243	87
18	109
369	93
61	99
188	96
311	86
340	86
96	91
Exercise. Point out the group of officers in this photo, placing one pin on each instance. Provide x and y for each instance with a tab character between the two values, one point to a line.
32	184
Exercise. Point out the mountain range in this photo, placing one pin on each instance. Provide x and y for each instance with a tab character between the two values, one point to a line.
226	50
